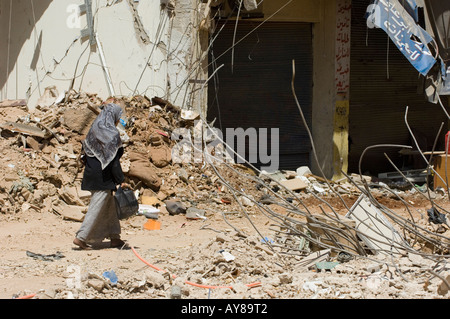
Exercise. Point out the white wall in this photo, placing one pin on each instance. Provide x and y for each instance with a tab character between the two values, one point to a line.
41	47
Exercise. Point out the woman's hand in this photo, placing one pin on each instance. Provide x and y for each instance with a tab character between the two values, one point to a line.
125	185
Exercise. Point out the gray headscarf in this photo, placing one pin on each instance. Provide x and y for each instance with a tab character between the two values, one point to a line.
103	139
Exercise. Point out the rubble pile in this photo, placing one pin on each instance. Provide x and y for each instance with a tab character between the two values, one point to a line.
313	245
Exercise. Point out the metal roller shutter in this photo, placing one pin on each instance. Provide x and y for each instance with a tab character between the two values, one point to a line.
255	91
382	84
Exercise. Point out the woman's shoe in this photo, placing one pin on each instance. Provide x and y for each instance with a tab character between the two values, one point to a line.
81	244
115	243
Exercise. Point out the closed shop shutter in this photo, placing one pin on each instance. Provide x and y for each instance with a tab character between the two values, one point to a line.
382	85
255	90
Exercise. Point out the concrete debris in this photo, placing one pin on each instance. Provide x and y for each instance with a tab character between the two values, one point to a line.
50	97
374	228
69	211
314	258
189	268
328	232
314	245
294	184
444	287
175	292
10	103
175	207
23	128
96	284
195	213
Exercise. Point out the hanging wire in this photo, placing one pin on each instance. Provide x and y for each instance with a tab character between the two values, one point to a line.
158	35
331	233
234	34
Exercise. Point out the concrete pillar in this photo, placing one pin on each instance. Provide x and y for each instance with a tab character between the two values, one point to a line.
342	85
324	89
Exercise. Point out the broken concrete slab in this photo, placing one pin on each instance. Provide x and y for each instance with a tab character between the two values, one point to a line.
277	176
24	129
303	170
175	207
444	287
374	229
70	196
337	233
70	211
11	103
195	213
189	115
294	184
96	284
49	97
246	201
33	143
79	120
183	175
84	196
315	257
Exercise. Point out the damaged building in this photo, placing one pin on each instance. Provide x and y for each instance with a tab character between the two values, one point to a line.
317	107
352	84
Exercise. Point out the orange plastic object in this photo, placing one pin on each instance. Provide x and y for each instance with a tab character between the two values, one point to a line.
152	224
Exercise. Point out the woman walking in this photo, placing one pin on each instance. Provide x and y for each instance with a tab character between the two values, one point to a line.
102	174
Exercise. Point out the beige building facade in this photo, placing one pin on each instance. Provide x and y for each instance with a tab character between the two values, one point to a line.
161	48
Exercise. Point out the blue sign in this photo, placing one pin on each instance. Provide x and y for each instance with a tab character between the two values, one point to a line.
402	29
411	7
445	90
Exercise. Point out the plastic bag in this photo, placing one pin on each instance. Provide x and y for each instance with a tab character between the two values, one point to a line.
126	202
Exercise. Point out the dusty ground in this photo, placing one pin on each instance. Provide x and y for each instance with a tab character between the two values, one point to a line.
187	249
48	234
38	259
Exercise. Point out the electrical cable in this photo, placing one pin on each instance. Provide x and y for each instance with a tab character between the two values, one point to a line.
26	297
236	43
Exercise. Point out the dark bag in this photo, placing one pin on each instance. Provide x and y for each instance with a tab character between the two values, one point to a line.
82	157
126	202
